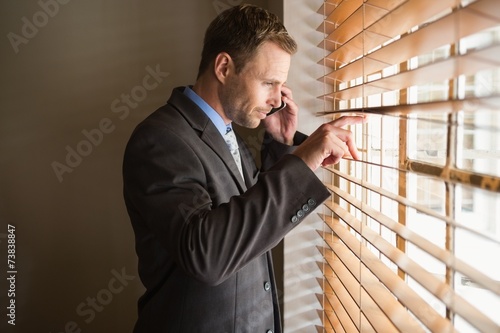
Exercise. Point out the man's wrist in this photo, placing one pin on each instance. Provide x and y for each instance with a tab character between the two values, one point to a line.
294	140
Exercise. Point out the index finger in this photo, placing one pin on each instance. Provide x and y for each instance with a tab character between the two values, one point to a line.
347	138
349	120
353	150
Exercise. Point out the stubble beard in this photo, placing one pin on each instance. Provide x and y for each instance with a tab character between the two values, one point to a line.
237	114
241	118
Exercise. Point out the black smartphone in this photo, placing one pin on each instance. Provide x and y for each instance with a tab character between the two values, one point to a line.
274	110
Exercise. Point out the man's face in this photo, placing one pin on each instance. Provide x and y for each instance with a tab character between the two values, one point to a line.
248	96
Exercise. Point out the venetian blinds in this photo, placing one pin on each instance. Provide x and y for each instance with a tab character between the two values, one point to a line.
412	231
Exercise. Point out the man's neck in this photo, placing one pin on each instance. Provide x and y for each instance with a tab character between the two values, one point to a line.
206	88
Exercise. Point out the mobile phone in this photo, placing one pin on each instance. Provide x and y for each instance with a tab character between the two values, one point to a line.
273	110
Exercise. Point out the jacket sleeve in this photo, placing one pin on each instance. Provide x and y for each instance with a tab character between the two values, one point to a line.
272	150
170	202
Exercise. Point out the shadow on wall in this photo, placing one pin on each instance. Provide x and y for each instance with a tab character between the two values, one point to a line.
77	76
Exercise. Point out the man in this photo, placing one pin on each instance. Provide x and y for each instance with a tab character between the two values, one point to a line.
205	219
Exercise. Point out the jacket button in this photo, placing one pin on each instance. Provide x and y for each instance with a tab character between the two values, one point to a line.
305	207
267	286
269	331
311	202
300	213
294	219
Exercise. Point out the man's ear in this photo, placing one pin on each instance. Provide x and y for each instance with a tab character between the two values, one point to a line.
223	66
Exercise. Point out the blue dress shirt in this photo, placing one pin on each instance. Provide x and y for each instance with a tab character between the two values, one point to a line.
209	111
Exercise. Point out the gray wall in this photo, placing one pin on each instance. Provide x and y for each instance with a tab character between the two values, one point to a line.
76	77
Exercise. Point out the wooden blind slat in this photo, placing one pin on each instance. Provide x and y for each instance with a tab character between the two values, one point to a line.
488	9
349	296
409	203
420	42
344	286
489	103
436	34
454	175
444	53
330	316
352	49
470	19
439	71
324	329
387	302
427	280
446	174
348	271
343	11
356	42
339	307
440	254
327	45
334	321
385	4
353	26
328	7
326	28
348	277
410	14
381	309
348	29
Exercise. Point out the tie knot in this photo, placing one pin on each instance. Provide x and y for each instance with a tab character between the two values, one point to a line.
231	140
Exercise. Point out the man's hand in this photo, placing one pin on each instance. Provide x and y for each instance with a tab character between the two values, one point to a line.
282	125
330	143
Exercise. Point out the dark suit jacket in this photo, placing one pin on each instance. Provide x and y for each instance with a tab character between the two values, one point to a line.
203	234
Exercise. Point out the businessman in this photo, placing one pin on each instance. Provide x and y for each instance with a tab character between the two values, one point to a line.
205	218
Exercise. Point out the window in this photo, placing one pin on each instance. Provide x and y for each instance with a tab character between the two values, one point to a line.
412	231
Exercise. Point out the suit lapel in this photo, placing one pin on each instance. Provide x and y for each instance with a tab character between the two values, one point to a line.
247	162
212	138
209	133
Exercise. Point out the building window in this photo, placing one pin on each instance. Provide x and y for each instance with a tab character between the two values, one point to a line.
412	234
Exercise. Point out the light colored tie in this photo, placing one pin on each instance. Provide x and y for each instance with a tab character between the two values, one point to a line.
232	144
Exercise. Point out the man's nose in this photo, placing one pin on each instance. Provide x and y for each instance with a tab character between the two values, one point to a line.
276	99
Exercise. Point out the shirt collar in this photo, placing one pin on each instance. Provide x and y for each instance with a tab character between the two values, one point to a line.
209	111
